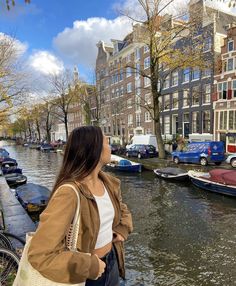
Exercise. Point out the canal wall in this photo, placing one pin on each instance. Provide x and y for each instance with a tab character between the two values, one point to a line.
16	219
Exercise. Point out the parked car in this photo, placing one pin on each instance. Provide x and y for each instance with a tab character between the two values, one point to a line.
115	148
201	152
231	159
141	151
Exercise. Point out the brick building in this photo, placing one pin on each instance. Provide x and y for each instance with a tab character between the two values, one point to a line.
186	102
225	92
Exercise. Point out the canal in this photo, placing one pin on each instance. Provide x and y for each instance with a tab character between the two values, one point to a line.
182	235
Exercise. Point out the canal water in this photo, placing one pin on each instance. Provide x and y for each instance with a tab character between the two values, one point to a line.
182	235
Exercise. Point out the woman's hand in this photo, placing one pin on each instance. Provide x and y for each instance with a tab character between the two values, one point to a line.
117	237
102	267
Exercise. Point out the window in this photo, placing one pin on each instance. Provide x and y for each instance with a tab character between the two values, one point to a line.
128	71
195	95
147	116
148	99
195	74
146	48
130	119
147	63
167	124
206	72
137	103
121	75
206	96
121	90
186	98
230	46
222	90
206	118
138	120
147	81
223	120
207	44
175	102
230	64
195	122
166	101
166	82
234	88
232	120
137	70
174	79
129	103
129	87
137	53
117	92
186	75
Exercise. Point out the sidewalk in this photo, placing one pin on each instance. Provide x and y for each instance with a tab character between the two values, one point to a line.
16	218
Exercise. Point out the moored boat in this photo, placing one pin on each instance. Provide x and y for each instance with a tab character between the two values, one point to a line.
170	173
14	180
33	197
9	166
123	165
218	181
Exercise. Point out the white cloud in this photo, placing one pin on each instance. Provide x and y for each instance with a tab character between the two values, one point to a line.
78	44
46	63
19	47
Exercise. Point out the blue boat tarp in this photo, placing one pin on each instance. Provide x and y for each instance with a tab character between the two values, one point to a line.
125	163
33	193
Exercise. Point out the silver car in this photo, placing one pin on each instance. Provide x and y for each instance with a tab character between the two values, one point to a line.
231	159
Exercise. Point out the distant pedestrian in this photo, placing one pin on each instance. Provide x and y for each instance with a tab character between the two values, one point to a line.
174	146
104	224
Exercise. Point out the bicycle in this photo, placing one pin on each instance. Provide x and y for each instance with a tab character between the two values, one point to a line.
11	241
9	262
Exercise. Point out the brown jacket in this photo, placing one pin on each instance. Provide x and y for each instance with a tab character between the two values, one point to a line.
47	252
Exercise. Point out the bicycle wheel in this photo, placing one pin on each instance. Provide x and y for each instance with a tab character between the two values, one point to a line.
16	241
5	242
9	262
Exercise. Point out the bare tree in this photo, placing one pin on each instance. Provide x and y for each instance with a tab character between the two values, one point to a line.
161	33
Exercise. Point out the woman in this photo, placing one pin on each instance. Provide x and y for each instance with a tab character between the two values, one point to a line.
105	221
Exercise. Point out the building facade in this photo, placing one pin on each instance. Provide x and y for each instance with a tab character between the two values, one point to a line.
225	92
187	108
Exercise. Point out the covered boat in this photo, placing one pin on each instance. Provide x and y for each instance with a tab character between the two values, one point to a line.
14	180
33	197
170	173
218	180
123	165
9	166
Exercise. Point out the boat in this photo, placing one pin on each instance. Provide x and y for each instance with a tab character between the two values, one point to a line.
14	180
170	173
123	165
9	166
33	197
218	181
46	148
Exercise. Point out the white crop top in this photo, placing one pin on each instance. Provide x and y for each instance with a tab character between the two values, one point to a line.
106	215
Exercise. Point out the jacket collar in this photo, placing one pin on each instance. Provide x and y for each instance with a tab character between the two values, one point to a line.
109	181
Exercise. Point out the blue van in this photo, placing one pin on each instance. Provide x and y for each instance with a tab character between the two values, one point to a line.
201	152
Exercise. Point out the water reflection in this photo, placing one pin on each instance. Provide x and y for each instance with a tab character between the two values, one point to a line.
182	235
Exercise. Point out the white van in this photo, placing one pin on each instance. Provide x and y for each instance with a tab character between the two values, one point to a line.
143	139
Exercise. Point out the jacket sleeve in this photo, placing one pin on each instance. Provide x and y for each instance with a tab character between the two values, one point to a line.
125	227
47	251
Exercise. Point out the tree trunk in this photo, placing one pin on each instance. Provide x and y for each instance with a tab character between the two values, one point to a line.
38	130
66	126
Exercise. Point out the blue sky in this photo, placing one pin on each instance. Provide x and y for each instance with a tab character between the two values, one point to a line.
59	34
63	33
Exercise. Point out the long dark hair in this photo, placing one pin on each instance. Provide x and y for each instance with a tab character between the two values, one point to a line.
82	154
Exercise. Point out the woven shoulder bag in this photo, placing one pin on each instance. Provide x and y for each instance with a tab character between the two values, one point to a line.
27	275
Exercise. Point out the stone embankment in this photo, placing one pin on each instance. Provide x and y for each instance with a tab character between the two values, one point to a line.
17	221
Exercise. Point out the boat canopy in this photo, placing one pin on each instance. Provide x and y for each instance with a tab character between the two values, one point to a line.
124	162
222	176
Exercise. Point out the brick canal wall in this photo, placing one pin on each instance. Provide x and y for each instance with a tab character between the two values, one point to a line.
16	219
